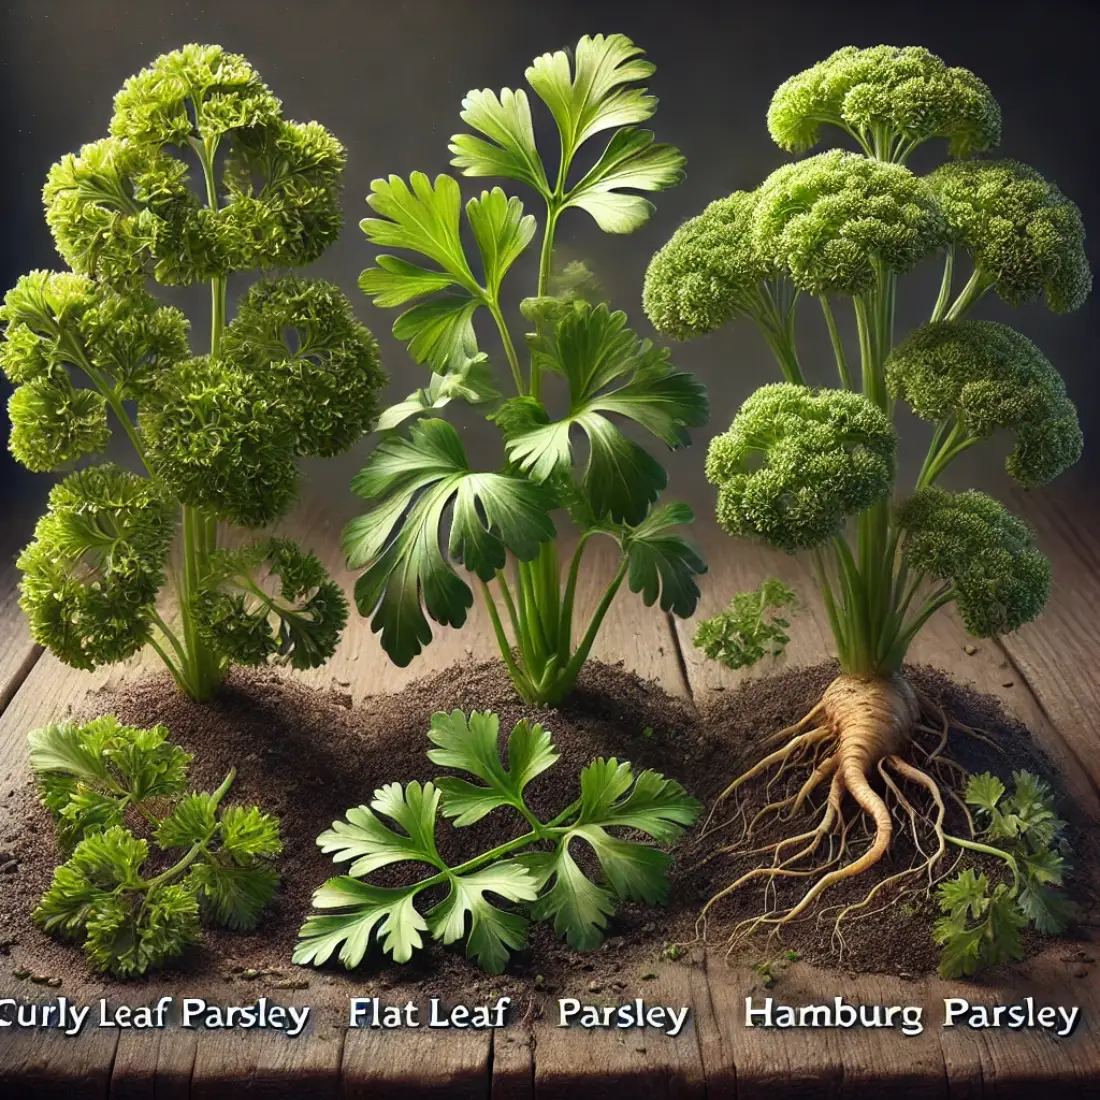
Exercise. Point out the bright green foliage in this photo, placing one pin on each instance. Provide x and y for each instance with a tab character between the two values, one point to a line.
549	881
753	626
608	370
984	554
92	573
217	435
592	92
708	272
300	623
980	376
833	221
890	100
430	511
95	778
90	775
981	922
808	469
797	463
1024	236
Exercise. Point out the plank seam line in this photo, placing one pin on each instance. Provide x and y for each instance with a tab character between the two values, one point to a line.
717	1032
20	677
489	1067
1067	748
109	1079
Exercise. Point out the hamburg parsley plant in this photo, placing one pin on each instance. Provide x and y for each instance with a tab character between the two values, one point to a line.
430	510
200	177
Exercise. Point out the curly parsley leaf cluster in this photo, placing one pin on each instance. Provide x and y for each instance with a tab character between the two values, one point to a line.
890	100
547	883
132	910
753	626
982	920
200	177
797	463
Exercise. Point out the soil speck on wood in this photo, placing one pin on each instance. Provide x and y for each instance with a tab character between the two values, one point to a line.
309	755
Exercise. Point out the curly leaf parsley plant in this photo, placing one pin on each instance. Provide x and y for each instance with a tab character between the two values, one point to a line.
536	870
814	470
430	510
200	177
113	789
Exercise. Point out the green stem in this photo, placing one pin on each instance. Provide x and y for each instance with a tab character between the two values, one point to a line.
509	347
196	849
569	676
989	850
976	286
565	631
838	345
945	285
522	683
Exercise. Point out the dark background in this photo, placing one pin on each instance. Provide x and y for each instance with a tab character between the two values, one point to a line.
388	78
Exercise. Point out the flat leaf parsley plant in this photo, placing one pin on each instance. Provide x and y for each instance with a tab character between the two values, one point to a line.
215	437
430	510
537	870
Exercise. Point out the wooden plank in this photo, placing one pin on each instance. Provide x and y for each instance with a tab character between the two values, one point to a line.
643	1063
861	1062
1059	654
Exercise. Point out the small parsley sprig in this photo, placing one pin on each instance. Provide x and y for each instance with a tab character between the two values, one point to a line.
548	880
754	625
981	921
96	778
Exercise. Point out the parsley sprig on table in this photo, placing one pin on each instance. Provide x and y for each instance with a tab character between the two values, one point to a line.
97	779
981	921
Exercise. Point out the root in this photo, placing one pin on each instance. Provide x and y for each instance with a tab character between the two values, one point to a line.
860	730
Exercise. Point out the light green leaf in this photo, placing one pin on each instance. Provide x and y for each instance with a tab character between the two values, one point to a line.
440	331
608	371
472	383
416	481
365	910
631	160
396	281
657	806
593	94
67	748
502	232
580	907
635	872
510	150
473	746
247	833
192	821
984	791
493	932
372	844
424	219
235	896
664	563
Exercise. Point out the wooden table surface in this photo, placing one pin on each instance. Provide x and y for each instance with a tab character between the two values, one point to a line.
1047	675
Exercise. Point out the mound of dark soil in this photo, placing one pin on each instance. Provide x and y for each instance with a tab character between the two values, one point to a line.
309	755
